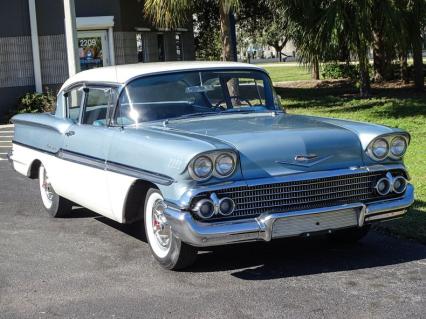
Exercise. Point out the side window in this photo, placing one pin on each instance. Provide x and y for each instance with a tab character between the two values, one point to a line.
74	99
98	102
246	92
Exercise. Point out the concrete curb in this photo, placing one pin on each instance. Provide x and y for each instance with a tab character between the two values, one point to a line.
6	126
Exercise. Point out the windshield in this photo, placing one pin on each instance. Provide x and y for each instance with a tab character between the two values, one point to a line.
197	93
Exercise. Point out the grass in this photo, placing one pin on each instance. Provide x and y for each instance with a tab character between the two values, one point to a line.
396	107
282	73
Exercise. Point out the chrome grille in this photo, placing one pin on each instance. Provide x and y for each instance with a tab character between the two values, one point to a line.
299	195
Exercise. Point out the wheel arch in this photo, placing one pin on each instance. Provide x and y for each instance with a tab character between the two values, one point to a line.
135	200
33	169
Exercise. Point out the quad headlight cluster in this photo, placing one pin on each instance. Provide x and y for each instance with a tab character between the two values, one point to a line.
219	164
388	146
391	184
208	207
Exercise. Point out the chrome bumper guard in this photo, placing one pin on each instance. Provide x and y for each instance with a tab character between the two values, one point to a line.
200	234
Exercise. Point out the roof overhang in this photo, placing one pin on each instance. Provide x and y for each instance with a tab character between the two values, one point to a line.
95	23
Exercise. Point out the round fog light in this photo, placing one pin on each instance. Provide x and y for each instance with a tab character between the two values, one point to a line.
399	185
383	186
226	206
204	208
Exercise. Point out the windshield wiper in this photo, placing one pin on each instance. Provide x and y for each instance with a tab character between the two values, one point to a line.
198	114
239	111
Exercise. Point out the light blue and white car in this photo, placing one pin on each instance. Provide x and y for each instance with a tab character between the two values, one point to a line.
205	155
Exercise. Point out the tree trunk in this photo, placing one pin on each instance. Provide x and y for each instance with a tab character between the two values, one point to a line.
225	33
418	59
404	67
379	57
315	70
278	48
364	77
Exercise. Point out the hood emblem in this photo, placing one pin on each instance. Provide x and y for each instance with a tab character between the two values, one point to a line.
307	160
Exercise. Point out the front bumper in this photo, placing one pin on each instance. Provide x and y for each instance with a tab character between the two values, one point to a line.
199	234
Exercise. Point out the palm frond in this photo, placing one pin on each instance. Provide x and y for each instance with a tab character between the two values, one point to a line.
168	13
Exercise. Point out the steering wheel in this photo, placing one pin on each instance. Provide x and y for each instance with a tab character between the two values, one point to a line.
218	104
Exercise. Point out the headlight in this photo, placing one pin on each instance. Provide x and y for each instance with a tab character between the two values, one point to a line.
220	164
398	146
202	167
224	165
380	148
392	146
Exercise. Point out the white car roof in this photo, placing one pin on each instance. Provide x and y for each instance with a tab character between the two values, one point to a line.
122	73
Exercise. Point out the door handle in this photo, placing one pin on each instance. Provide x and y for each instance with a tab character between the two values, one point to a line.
70	133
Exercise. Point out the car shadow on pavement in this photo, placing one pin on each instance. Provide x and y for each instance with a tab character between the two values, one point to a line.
289	257
300	257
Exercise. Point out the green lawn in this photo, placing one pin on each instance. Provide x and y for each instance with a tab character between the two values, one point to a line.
394	107
291	72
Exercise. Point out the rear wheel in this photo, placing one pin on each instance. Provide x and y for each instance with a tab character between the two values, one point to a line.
168	250
54	204
350	235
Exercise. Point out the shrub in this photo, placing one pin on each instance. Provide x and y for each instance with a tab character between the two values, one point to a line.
339	71
37	102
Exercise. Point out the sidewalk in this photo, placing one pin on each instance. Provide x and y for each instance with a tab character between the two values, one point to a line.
6	136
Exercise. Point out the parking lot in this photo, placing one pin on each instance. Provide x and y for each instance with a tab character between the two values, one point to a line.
6	134
90	267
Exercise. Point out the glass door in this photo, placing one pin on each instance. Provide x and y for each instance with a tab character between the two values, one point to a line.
93	49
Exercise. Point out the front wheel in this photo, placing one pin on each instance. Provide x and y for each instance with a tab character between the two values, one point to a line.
54	204
168	250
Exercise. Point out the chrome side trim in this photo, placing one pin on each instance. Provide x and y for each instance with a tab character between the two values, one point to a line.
102	164
139	173
81	159
201	234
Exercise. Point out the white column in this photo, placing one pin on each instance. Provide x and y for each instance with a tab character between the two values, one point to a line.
71	37
111	45
35	46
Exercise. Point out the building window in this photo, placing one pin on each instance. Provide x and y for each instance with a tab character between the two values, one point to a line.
93	48
179	48
160	43
140	44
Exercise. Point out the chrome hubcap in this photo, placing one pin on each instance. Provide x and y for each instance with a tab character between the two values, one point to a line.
47	187
162	230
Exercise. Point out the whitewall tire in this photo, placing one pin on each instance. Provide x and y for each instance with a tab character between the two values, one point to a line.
54	204
168	250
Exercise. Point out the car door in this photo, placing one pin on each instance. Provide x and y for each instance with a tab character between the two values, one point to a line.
85	148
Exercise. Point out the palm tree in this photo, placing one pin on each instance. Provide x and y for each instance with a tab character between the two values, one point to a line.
319	24
174	13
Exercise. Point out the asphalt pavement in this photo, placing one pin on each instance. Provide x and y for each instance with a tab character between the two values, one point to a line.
87	266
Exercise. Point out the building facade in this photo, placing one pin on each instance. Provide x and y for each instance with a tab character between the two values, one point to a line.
33	42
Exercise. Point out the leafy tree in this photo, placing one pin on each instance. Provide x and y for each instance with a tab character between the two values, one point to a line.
263	24
172	13
208	44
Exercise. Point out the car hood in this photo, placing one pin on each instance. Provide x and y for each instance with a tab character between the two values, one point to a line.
271	144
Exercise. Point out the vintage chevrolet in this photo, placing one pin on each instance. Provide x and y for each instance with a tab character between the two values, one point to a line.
204	154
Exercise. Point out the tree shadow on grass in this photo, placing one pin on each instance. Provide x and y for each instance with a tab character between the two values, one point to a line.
343	97
412	226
